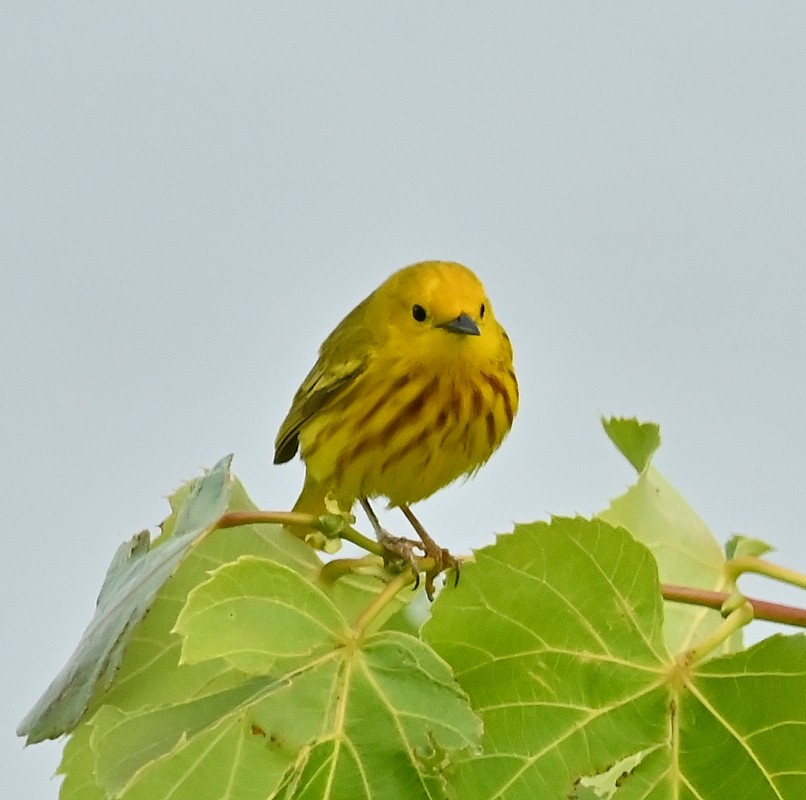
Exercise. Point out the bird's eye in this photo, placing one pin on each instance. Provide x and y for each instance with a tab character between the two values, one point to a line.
481	311
418	312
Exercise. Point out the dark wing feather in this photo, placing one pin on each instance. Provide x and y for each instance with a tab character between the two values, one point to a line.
316	391
342	358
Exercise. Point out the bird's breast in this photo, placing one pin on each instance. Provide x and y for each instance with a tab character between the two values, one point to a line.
404	432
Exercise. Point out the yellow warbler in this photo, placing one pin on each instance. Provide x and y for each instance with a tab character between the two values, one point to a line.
413	389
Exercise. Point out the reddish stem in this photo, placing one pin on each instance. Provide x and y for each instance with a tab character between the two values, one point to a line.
762	609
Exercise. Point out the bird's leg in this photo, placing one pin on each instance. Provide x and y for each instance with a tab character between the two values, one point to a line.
442	558
403	548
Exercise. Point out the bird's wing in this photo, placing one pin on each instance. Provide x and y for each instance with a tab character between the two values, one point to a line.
342	358
316	391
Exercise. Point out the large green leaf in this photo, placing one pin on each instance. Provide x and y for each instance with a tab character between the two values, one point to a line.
742	724
556	634
685	549
318	705
149	678
135	575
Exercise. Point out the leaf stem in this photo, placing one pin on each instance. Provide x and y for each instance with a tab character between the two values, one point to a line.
737	566
391	589
232	519
339	567
364	542
737	618
762	609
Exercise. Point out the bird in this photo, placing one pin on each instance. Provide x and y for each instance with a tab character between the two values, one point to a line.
412	390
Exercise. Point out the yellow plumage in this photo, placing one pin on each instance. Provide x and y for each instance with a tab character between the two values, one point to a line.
414	388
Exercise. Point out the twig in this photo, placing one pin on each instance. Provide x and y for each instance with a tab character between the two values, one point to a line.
737	566
762	609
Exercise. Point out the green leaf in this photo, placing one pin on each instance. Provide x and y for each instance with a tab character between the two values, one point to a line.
132	580
739	546
153	733
316	704
567	668
253	600
555	634
742	724
685	549
251	676
149	679
78	764
636	440
404	720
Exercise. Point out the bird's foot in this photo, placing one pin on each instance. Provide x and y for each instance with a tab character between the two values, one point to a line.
397	549
443	560
400	548
405	549
441	557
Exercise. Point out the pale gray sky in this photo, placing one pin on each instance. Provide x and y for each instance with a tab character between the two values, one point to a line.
193	194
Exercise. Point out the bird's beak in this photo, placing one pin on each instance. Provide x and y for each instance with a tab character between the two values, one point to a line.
462	324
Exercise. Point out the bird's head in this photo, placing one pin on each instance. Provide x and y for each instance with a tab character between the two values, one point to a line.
439	310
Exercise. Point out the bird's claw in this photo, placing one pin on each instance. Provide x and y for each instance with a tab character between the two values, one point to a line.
400	548
443	561
405	550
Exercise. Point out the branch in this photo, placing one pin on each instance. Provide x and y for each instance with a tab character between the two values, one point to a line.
762	609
